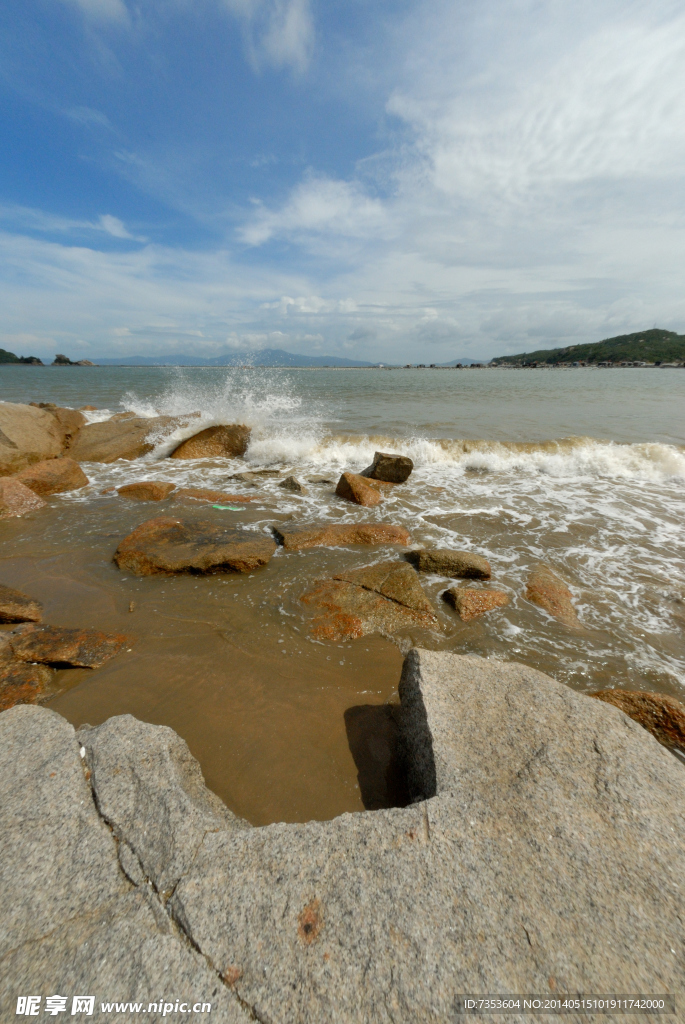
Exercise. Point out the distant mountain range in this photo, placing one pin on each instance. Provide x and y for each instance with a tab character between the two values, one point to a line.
653	346
264	357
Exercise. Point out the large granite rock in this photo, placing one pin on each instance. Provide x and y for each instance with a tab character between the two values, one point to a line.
69	421
150	790
18	607
225	442
297	538
659	713
545	854
549	592
174	545
53	476
27	435
72	922
16	499
128	438
381	598
394	469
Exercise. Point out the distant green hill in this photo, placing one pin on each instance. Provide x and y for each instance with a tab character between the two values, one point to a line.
9	357
643	346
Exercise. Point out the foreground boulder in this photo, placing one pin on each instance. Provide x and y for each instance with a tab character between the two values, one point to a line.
16	499
53	476
381	598
128	438
548	591
660	714
354	487
394	469
65	648
146	490
225	442
545	854
73	922
27	435
443	562
174	545
296	538
471	604
18	607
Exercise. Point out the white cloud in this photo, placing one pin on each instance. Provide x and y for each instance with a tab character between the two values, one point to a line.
319	205
102	10
27	218
279	32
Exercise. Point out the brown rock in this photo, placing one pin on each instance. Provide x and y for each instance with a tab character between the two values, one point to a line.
172	545
54	476
18	607
355	488
660	714
27	434
443	562
75	648
472	603
225	442
19	683
545	589
202	494
70	421
296	538
87	408
378	598
146	490
16	499
291	483
120	439
394	469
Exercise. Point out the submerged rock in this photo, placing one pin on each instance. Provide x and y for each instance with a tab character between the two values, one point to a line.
356	488
470	604
53	476
146	490
203	494
174	545
73	648
227	442
296	538
658	713
18	607
127	439
394	469
548	591
291	483
377	598
16	499
544	853
27	434
444	562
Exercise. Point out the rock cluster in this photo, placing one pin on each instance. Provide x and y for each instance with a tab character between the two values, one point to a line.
365	488
544	854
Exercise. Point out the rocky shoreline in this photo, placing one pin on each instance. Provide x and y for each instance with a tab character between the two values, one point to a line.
544	853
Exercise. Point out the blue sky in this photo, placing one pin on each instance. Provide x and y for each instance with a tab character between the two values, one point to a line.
395	181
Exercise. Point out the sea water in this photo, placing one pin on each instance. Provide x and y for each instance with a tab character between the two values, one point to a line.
581	469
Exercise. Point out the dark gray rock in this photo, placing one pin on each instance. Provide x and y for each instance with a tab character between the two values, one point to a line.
291	483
